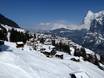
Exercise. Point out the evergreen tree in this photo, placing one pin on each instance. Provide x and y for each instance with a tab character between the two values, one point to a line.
96	61
42	40
76	52
3	35
18	36
53	42
66	48
60	46
83	53
34	35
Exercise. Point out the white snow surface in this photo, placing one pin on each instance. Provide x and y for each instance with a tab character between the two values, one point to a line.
18	63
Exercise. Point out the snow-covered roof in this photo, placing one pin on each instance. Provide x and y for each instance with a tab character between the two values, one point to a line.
60	53
48	48
19	42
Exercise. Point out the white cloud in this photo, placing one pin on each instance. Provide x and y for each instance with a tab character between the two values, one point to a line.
60	24
45	24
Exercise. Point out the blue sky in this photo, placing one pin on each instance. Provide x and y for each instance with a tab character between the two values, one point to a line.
29	13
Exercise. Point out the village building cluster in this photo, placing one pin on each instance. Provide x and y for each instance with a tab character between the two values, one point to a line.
51	46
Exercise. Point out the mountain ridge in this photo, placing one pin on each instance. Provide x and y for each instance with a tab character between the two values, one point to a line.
6	21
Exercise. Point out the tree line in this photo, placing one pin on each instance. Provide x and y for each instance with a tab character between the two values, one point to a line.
61	47
15	36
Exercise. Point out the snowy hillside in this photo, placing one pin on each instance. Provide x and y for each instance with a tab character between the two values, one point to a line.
18	63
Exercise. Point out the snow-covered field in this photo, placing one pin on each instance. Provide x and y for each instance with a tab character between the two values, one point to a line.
18	63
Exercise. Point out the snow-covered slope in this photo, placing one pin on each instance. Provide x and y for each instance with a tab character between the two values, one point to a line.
17	63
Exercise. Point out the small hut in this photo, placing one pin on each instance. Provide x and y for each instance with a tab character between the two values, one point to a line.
48	42
19	44
59	55
48	50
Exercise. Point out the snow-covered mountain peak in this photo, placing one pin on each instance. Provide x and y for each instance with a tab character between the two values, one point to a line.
90	12
89	17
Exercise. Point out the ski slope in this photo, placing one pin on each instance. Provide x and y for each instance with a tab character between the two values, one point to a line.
18	63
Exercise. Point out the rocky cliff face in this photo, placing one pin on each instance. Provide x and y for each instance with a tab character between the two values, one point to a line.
94	38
